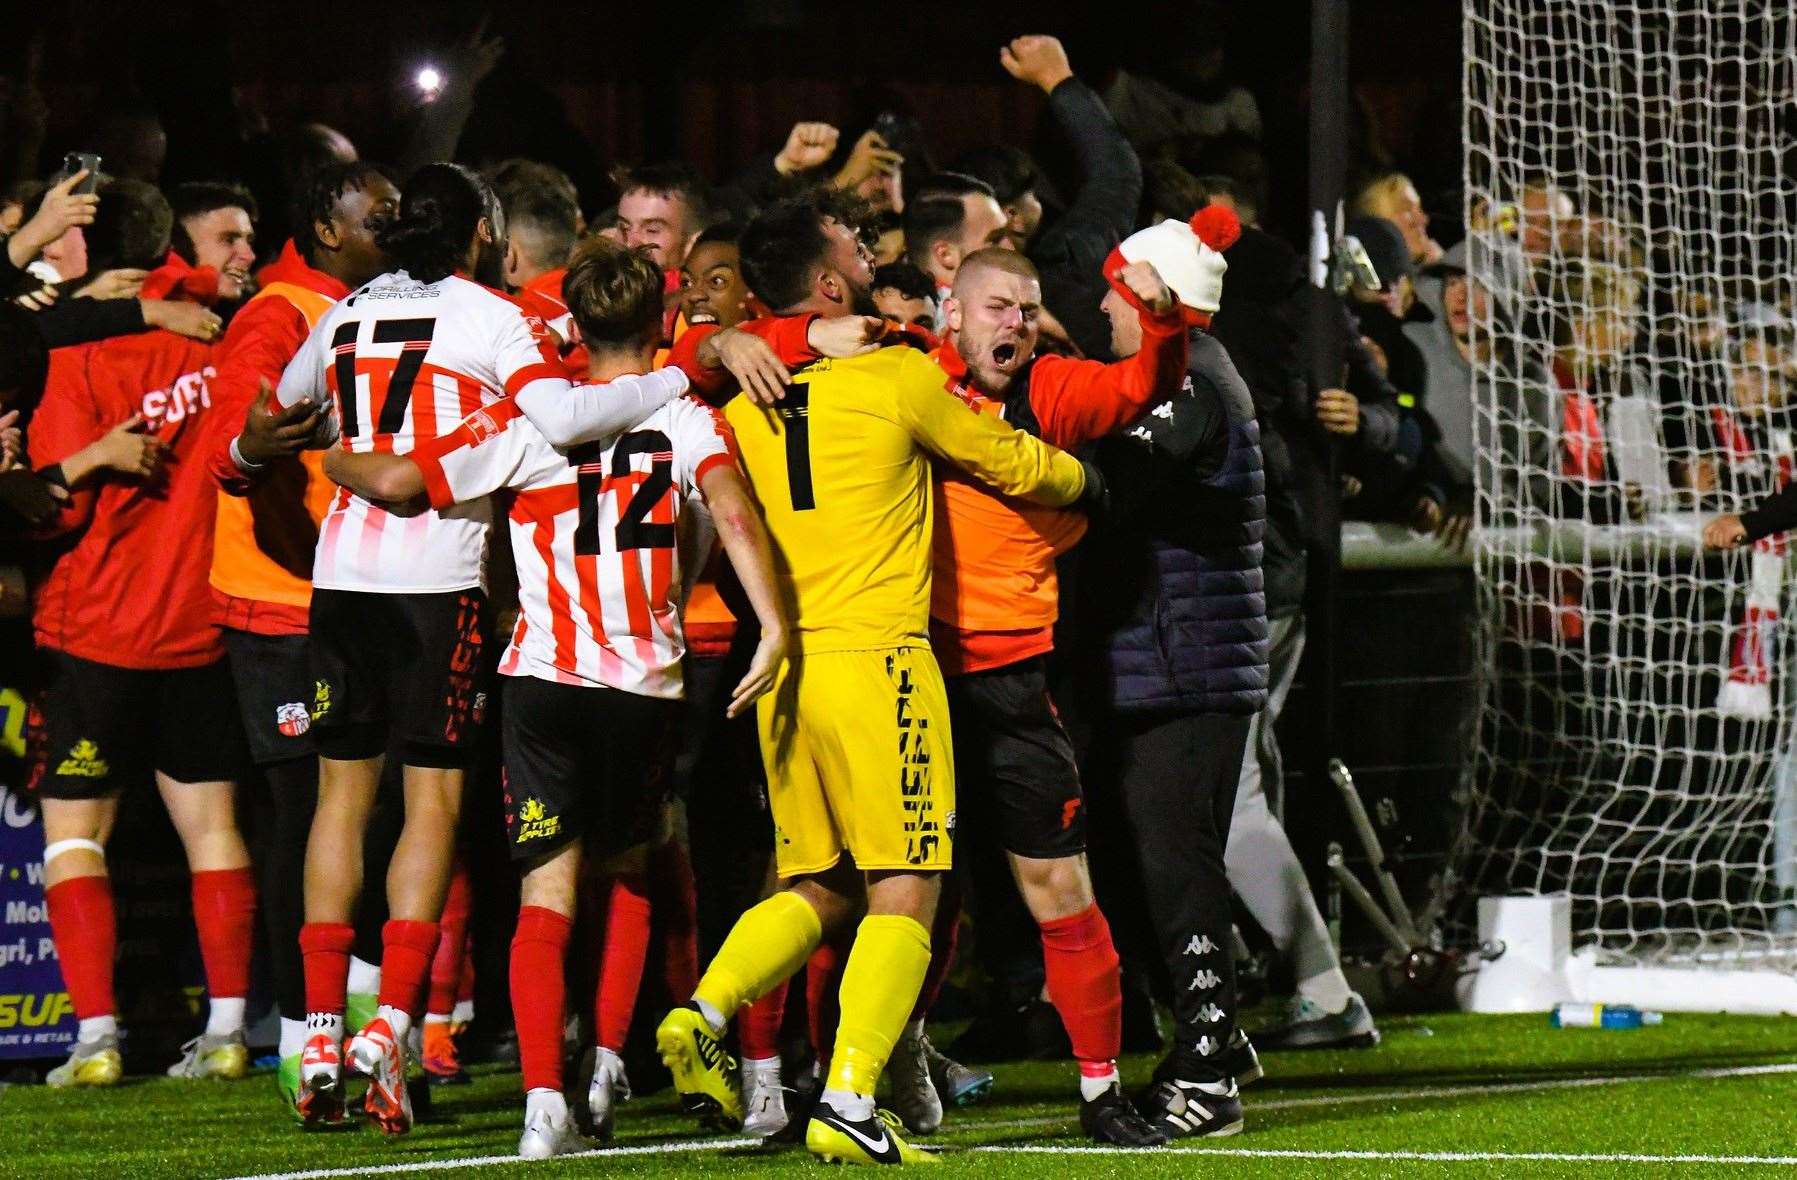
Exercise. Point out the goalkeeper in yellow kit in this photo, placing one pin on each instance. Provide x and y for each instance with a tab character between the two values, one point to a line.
855	735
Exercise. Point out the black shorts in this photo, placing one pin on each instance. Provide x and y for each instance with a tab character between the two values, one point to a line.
273	674
584	761
97	728
402	672
1014	767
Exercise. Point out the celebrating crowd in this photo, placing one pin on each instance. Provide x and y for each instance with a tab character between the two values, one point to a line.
752	579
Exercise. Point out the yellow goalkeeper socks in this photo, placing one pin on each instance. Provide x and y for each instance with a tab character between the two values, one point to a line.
765	947
879	989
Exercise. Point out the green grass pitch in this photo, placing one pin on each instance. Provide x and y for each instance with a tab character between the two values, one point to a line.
1445	1095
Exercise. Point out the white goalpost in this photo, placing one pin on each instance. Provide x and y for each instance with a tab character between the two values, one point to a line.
1631	186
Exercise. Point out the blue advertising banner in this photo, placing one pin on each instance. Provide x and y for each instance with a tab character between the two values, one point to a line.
36	1018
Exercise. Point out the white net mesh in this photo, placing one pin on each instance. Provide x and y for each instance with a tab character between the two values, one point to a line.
1629	174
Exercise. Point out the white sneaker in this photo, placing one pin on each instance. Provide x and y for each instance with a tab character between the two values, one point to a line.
914	1097
549	1133
609	1087
764	1100
320	1097
381	1057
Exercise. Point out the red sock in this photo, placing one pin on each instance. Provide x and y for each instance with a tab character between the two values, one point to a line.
465	993
224	911
85	928
823	980
945	932
407	949
539	994
446	966
758	1025
621	962
324	949
1083	984
677	906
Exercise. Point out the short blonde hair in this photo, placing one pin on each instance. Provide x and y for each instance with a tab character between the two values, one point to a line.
1376	194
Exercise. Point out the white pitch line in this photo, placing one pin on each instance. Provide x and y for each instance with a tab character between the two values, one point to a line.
690	1145
1433	1156
1340	1099
488	1161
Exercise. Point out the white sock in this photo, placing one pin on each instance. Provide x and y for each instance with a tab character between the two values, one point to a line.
293	1037
462	1013
95	1027
436	1018
364	977
761	1067
224	1016
400	1022
1328	990
1095	1087
328	1023
851	1106
606	1061
543	1100
717	1020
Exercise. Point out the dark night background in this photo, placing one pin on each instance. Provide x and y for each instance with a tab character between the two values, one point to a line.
586	85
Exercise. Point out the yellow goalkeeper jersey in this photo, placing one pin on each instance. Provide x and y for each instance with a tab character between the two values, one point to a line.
842	470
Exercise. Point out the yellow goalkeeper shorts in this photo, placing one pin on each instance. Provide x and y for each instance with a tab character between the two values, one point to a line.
858	756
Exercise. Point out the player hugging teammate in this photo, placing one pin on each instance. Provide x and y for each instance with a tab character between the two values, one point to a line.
822	484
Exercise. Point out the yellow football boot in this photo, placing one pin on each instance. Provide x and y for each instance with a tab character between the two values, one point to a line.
92	1063
703	1072
838	1140
223	1057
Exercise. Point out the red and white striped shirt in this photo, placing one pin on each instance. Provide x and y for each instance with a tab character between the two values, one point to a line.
595	536
404	362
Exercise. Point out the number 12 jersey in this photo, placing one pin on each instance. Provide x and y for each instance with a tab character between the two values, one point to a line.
595	536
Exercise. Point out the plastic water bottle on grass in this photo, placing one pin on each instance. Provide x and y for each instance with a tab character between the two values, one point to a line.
1602	1016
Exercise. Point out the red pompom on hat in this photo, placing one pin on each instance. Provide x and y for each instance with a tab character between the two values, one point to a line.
1188	255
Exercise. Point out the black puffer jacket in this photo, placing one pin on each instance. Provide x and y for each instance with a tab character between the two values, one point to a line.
1173	616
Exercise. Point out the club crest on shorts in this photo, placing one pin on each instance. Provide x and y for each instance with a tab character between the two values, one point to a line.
292	719
535	822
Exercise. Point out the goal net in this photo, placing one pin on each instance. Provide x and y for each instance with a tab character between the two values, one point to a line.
1631	186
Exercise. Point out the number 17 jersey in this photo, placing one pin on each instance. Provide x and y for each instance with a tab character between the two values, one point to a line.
401	363
595	536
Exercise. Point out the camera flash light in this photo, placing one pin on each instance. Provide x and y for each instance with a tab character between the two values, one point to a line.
429	79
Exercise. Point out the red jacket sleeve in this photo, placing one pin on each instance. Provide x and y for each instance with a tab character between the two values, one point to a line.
788	335
67	419
1077	401
263	337
683	354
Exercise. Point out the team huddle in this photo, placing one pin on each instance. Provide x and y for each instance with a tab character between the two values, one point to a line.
881	505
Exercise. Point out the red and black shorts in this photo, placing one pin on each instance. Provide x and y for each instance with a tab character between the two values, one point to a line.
399	672
584	761
95	729
1014	767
